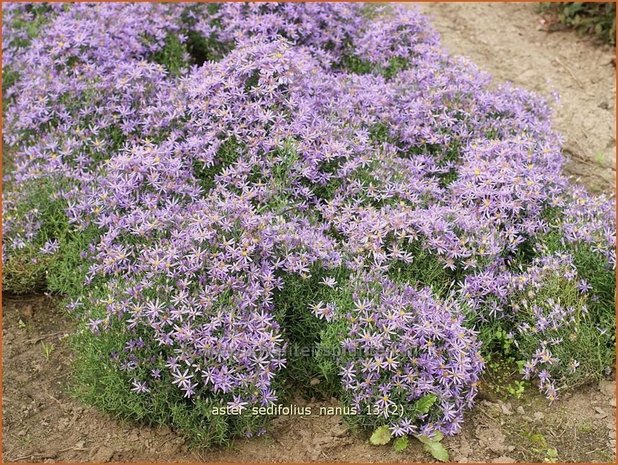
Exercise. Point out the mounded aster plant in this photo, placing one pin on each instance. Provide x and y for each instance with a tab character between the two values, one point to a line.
220	184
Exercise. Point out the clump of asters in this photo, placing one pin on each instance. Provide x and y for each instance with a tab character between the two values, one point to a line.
172	167
406	358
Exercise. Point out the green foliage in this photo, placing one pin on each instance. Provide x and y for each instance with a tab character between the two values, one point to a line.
425	270
503	372
597	18
401	444
9	77
381	436
203	49
424	404
538	444
376	10
591	341
98	382
278	177
588	343
394	67
196	49
200	48
434	446
380	132
358	65
587	349
283	159
444	154
314	355
67	271
47	348
27	270
313	347
173	56
227	155
39	16
551	455
593	267
516	389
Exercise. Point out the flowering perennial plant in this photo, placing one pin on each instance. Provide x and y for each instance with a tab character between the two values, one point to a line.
174	166
405	355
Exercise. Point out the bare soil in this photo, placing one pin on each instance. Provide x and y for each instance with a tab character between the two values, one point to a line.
42	422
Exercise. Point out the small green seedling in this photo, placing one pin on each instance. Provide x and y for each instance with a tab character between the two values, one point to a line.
381	436
47	350
434	446
516	389
551	456
401	444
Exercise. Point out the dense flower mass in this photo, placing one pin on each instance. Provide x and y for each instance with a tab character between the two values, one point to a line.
406	357
186	159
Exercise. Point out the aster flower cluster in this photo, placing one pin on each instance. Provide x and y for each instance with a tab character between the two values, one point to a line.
209	152
549	303
407	357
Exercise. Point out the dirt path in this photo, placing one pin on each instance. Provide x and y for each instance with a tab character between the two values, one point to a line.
43	423
505	39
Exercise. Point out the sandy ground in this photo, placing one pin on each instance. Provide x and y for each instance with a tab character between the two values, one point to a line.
43	423
509	41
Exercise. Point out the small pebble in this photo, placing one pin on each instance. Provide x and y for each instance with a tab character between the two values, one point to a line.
103	454
608	388
506	409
